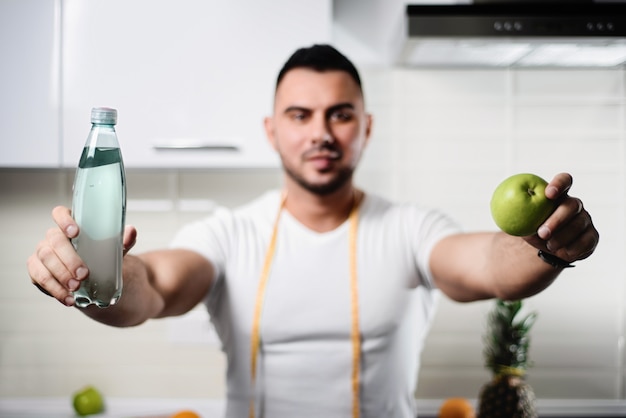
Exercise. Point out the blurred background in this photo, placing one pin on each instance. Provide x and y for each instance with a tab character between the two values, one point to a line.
192	81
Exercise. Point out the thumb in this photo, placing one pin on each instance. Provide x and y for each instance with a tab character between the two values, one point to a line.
559	186
130	238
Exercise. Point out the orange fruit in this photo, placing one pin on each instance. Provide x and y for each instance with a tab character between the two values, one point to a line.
456	408
185	414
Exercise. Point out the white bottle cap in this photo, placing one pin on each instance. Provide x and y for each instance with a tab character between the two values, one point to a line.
104	115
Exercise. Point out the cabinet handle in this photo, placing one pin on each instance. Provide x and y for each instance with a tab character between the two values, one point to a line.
193	145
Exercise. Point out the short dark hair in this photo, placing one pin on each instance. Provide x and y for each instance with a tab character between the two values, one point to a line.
320	58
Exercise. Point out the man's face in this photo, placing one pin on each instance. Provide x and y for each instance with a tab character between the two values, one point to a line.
319	128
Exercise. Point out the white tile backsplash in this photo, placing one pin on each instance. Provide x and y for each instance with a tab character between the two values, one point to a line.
573	154
452	86
568	118
580	85
443	138
458	119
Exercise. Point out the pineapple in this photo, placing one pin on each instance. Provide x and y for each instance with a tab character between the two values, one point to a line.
506	354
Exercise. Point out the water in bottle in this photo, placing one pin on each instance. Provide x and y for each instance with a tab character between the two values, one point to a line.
99	209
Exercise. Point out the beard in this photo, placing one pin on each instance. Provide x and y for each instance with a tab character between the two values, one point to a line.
343	176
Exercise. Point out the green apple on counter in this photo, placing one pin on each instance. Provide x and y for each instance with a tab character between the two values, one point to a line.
88	401
519	204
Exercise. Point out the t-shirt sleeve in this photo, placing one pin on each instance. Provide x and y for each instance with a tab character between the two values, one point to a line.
433	226
207	237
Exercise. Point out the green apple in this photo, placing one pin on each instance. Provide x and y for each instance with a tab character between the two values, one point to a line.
88	401
519	204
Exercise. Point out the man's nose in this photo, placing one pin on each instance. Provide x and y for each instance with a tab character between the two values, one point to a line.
321	134
326	138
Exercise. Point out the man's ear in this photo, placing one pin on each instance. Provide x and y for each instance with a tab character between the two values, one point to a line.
268	123
368	127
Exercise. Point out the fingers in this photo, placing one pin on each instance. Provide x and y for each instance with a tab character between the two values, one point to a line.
567	210
58	255
63	218
569	232
45	282
559	186
55	267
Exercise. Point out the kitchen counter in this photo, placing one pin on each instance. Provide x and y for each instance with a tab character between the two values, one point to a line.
115	407
214	408
550	408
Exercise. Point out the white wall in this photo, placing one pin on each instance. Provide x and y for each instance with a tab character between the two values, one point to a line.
442	138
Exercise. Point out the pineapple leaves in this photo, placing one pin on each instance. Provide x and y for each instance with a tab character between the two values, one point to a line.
507	340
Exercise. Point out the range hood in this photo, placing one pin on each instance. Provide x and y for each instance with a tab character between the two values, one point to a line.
520	34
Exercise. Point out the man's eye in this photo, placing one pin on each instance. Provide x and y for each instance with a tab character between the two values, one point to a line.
341	116
298	116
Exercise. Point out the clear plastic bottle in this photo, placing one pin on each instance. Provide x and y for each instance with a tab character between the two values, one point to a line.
99	209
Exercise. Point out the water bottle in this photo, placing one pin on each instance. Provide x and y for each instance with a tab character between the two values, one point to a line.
99	209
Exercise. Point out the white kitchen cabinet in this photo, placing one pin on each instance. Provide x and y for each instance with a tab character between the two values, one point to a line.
191	79
29	83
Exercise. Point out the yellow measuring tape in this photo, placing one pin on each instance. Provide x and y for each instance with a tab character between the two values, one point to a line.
355	334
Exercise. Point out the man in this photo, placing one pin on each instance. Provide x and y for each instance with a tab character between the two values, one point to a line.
322	294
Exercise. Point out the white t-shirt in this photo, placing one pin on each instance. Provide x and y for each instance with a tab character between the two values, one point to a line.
305	358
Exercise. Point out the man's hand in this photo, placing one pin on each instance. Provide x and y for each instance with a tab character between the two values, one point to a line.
55	267
569	232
